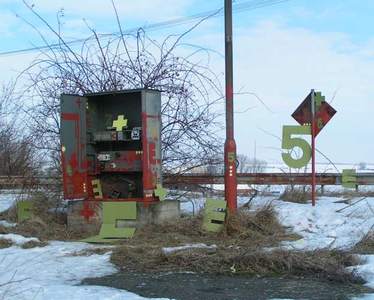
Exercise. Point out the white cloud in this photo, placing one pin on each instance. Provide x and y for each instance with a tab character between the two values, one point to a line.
281	64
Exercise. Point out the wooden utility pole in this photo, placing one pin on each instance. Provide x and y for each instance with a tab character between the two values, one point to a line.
230	145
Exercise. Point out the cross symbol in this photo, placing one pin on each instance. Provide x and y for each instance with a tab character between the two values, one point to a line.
319	99
160	192
120	123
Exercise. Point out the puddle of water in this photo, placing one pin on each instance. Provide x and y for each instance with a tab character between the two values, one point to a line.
186	286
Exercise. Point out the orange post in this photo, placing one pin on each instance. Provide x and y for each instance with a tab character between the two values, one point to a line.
230	145
313	125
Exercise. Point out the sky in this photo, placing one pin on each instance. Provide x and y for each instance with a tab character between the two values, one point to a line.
281	52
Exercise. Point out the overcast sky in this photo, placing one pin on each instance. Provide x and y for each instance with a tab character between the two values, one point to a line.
280	53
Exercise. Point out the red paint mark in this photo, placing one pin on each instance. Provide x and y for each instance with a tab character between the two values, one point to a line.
147	175
152	153
74	179
70	116
87	212
158	117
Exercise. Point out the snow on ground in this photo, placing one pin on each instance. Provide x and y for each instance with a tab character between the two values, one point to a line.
329	224
7	200
7	224
324	226
53	272
17	239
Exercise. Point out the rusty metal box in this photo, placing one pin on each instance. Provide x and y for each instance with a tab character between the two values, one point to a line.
111	145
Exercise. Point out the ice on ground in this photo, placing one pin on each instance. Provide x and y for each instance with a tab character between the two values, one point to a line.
55	272
169	250
17	239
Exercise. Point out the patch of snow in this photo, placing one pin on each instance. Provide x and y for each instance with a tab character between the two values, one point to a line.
169	250
366	270
7	224
17	239
332	225
54	272
7	200
324	226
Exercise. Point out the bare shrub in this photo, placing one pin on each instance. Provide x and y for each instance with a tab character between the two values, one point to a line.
250	165
365	245
257	226
296	194
44	224
190	90
5	243
17	155
33	244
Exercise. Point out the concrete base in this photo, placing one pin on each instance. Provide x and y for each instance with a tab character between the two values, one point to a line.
78	223
154	213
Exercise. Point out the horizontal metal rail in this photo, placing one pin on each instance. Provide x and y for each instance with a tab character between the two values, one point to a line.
200	179
268	179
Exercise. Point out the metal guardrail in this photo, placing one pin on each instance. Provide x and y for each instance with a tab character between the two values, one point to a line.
194	179
268	179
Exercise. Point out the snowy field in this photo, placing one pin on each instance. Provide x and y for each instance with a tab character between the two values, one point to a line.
55	271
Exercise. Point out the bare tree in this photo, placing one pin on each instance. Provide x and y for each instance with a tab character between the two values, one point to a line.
248	165
190	90
17	156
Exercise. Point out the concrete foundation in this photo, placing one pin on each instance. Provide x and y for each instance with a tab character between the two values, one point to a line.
154	213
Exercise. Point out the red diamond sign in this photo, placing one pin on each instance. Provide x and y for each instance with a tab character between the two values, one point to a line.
324	112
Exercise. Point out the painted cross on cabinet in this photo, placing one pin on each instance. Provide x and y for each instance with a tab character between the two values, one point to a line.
120	123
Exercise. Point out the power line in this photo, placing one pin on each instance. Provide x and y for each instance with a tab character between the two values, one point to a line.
239	7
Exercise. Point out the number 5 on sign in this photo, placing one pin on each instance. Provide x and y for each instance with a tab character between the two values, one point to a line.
289	143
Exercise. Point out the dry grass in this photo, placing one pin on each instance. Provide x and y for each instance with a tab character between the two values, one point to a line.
245	230
296	195
240	250
44	224
366	245
92	251
321	264
33	244
5	243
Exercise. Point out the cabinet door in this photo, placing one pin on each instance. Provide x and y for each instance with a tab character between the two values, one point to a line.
73	146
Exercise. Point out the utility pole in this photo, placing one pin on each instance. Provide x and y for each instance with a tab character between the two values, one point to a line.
230	145
313	128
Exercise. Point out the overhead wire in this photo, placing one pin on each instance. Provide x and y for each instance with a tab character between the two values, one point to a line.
237	7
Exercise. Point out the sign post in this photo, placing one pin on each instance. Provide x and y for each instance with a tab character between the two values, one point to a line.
312	115
313	110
